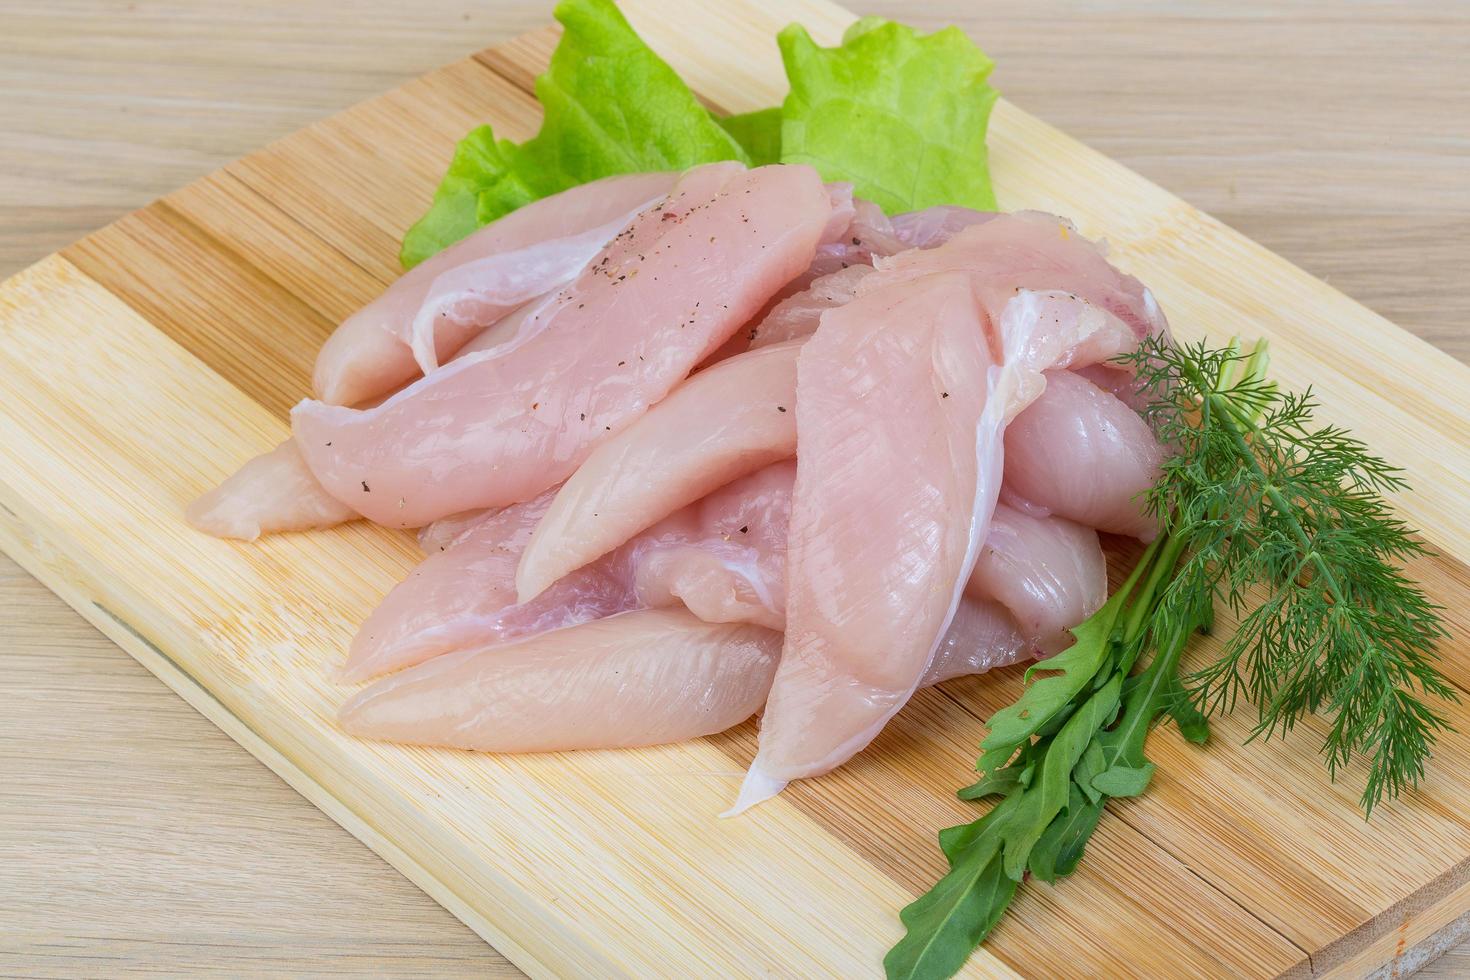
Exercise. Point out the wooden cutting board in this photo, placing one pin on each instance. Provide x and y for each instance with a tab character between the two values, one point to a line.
144	363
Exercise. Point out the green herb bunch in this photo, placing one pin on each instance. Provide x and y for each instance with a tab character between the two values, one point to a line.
1262	513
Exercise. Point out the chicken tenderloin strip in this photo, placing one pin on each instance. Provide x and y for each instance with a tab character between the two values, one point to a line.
431	310
637	678
496	428
727	421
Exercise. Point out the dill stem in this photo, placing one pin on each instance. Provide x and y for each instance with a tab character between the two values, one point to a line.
1230	418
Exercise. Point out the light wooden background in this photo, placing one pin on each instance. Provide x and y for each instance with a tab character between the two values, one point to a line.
137	839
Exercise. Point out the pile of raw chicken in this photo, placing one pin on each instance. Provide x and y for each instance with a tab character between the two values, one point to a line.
686	447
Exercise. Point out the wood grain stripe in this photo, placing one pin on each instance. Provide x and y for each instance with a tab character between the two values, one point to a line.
228	313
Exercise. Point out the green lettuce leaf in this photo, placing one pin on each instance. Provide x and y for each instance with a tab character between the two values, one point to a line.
900	115
478	160
759	133
611	105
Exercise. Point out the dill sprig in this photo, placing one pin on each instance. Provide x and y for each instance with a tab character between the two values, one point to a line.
1283	523
1286	524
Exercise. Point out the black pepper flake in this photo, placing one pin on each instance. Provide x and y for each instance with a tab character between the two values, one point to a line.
621	363
580	305
535	405
856	240
365	487
781	408
583	416
745	529
944	394
608	427
329	443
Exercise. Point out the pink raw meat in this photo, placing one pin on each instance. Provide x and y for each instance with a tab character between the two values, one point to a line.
727	421
796	316
982	636
1080	452
495	428
897	473
1035	251
435	307
272	492
1049	573
888	510
723	557
639	678
936	225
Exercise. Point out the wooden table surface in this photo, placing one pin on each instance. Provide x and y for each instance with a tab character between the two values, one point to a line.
135	838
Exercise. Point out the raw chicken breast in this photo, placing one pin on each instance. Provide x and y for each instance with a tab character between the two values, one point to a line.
444	532
857	231
1049	573
1035	251
896	478
889	511
277	492
637	678
796	316
272	492
936	225
999	260
640	678
435	307
723	557
727	421
982	637
867	234
499	427
1118	381
838	268
1083	454
472	578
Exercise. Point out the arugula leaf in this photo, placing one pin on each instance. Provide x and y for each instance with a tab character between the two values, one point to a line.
1075	668
758	133
900	115
612	106
998	783
1060	848
955	916
1193	724
1048	797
